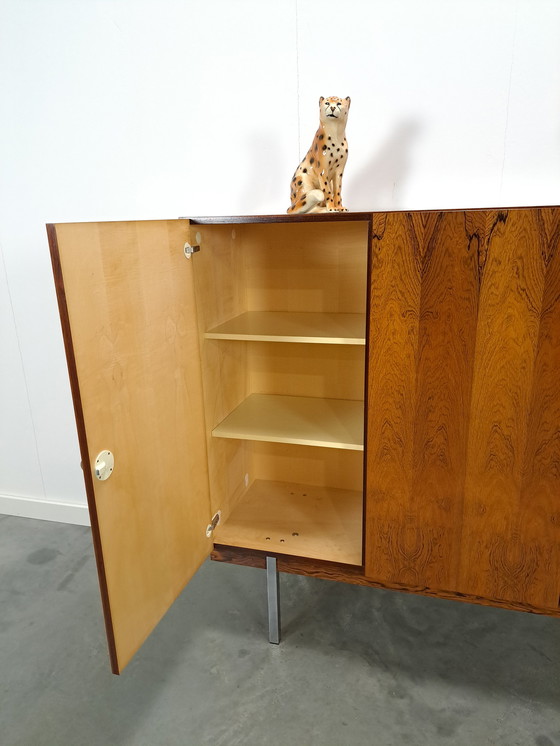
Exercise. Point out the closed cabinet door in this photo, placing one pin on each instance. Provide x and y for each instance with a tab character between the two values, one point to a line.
463	435
126	299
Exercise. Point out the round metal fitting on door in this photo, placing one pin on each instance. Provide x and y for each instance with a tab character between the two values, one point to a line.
104	465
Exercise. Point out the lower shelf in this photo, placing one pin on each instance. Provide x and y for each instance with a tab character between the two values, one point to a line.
288	518
273	326
304	420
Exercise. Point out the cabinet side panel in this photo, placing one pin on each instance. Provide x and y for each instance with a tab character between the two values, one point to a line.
220	296
132	319
540	482
511	531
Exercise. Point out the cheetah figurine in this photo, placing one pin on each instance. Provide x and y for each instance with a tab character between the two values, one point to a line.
317	182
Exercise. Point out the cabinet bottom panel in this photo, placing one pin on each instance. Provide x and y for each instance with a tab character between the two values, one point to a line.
315	522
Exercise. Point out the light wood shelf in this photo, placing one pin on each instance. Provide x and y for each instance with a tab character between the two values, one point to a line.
306	521
274	326
329	423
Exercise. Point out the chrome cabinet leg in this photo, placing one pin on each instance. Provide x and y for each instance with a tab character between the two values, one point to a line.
273	595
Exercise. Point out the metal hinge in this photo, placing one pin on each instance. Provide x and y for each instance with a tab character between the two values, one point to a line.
211	526
190	250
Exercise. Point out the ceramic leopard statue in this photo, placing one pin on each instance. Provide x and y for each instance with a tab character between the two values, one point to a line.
317	182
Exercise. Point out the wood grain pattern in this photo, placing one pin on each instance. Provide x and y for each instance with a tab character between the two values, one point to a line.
355	574
463	394
397	545
131	328
511	540
540	478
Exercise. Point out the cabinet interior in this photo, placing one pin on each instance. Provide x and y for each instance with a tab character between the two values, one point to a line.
281	311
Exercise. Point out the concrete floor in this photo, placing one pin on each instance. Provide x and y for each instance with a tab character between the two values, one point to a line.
356	666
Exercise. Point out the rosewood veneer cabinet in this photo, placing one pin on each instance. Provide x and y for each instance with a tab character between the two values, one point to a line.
372	398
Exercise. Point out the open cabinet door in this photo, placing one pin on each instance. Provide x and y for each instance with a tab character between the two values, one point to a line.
126	299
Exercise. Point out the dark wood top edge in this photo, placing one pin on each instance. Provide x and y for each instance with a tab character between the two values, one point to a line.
327	217
82	438
322	217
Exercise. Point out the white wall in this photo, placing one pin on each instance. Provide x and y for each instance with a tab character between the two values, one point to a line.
134	109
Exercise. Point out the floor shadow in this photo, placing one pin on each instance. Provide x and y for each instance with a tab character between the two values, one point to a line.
422	639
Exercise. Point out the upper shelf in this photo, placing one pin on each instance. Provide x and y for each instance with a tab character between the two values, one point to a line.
315	328
303	420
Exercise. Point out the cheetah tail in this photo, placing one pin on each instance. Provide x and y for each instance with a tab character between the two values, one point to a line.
307	202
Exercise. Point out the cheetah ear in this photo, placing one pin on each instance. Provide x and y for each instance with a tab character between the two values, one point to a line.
321	100
348	99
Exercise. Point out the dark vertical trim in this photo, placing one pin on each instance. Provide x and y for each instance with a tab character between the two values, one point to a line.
366	383
82	438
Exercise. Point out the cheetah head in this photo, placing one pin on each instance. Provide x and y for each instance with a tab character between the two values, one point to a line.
333	108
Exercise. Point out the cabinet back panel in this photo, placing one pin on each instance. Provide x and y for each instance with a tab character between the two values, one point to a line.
306	267
464	403
323	467
330	371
